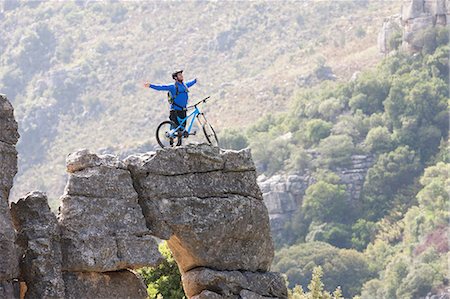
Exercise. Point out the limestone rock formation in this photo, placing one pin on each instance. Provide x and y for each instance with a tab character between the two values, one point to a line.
9	268
102	225
38	238
205	201
207	204
8	139
119	284
416	17
232	283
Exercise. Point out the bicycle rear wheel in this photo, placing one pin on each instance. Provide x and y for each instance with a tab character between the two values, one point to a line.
210	134
166	136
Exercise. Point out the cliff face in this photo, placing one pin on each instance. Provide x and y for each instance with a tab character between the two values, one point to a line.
8	160
203	200
283	194
416	16
207	204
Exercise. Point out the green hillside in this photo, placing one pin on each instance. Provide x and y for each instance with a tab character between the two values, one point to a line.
393	239
74	70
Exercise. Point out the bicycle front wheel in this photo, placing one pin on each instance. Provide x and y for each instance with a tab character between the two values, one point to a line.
210	134
166	136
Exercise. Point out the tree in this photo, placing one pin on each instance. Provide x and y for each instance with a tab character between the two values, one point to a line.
325	202
336	150
317	129
165	279
392	172
233	139
345	268
379	140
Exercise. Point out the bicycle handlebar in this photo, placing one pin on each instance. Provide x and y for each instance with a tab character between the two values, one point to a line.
202	101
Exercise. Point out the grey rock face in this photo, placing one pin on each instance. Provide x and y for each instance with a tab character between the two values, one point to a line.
246	294
207	204
416	16
103	228
119	285
8	154
231	283
9	265
390	27
211	295
8	125
283	194
38	237
7	290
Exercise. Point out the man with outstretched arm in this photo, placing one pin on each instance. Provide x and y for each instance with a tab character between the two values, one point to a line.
178	94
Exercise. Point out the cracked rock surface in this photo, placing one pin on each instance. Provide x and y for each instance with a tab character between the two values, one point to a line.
102	225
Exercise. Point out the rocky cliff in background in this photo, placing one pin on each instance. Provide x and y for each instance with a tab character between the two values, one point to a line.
283	194
410	25
203	200
9	269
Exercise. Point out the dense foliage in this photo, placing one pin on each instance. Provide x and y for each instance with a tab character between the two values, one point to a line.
163	281
347	269
397	114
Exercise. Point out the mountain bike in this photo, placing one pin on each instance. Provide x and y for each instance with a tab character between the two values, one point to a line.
168	134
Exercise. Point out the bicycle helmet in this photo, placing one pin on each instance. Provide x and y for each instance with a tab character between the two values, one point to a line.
174	74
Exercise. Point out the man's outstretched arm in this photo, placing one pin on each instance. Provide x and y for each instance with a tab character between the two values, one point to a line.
159	87
192	82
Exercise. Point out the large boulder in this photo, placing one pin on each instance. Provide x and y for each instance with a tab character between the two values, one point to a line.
119	284
8	154
8	125
207	204
9	268
103	228
38	238
9	265
231	283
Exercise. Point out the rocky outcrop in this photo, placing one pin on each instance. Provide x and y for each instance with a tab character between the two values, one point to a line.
283	194
38	239
122	284
207	204
9	268
102	225
416	17
204	201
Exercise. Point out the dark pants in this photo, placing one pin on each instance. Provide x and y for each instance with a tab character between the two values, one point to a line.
174	114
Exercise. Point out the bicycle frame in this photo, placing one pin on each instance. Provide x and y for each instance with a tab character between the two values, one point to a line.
182	121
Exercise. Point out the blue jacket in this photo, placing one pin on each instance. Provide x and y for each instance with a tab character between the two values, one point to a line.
182	98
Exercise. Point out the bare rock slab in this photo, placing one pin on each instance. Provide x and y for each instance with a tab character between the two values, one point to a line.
118	285
231	283
9	261
103	228
207	204
38	237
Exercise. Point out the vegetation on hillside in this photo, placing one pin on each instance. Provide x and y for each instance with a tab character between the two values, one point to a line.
398	114
163	281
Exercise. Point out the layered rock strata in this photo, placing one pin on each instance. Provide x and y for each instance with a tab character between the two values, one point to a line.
9	268
203	200
207	204
415	18
283	194
103	231
38	239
